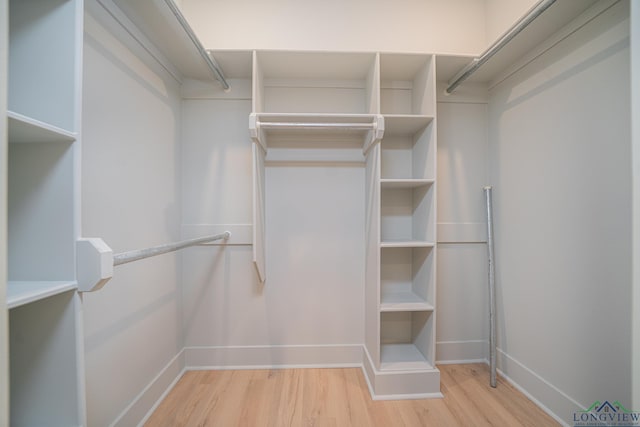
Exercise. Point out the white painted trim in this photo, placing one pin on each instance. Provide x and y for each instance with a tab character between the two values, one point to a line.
462	362
273	356
548	397
469	351
372	376
141	408
407	396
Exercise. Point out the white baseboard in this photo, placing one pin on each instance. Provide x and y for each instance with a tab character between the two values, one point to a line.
470	351
271	357
399	385
150	397
548	397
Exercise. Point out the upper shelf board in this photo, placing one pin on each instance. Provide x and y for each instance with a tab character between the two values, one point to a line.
550	22
158	23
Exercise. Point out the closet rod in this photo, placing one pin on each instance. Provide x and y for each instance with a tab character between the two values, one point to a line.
208	59
478	62
299	125
130	256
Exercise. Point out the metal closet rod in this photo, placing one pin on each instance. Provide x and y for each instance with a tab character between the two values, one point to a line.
311	125
130	256
208	59
478	62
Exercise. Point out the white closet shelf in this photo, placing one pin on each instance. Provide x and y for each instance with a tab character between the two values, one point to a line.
331	127
405	183
406	244
23	129
405	124
25	292
165	33
545	27
403	301
402	357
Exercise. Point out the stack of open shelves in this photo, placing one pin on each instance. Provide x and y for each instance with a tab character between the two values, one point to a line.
395	92
46	372
407	213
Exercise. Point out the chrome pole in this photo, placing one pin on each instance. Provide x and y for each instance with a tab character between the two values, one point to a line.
130	256
492	287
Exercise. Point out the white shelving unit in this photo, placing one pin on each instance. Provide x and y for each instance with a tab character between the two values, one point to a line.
407	222
46	357
294	95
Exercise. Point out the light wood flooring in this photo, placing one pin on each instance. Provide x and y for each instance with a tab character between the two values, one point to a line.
340	397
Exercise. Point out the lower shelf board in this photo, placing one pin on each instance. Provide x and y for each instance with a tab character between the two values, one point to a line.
24	292
403	301
402	357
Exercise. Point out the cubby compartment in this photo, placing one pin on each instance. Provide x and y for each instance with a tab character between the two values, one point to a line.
46	379
406	340
408	149
43	64
317	83
407	279
41	211
407	84
407	215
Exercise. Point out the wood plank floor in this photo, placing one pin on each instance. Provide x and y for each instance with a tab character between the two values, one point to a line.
340	397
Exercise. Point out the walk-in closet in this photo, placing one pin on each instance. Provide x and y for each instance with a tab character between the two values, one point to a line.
319	213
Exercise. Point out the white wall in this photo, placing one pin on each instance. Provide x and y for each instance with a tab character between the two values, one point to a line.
462	304
560	161
452	26
315	247
502	14
130	198
4	327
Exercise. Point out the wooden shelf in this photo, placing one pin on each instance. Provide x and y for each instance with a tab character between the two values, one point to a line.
402	357
25	292
405	124
23	129
403	301
405	183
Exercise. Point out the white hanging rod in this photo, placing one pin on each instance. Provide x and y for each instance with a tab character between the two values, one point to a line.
478	62
130	256
208	59
311	125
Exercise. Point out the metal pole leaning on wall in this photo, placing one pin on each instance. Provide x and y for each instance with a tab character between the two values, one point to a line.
492	286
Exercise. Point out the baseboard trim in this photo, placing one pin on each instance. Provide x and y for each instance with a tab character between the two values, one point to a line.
273	357
399	385
469	351
540	391
141	408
